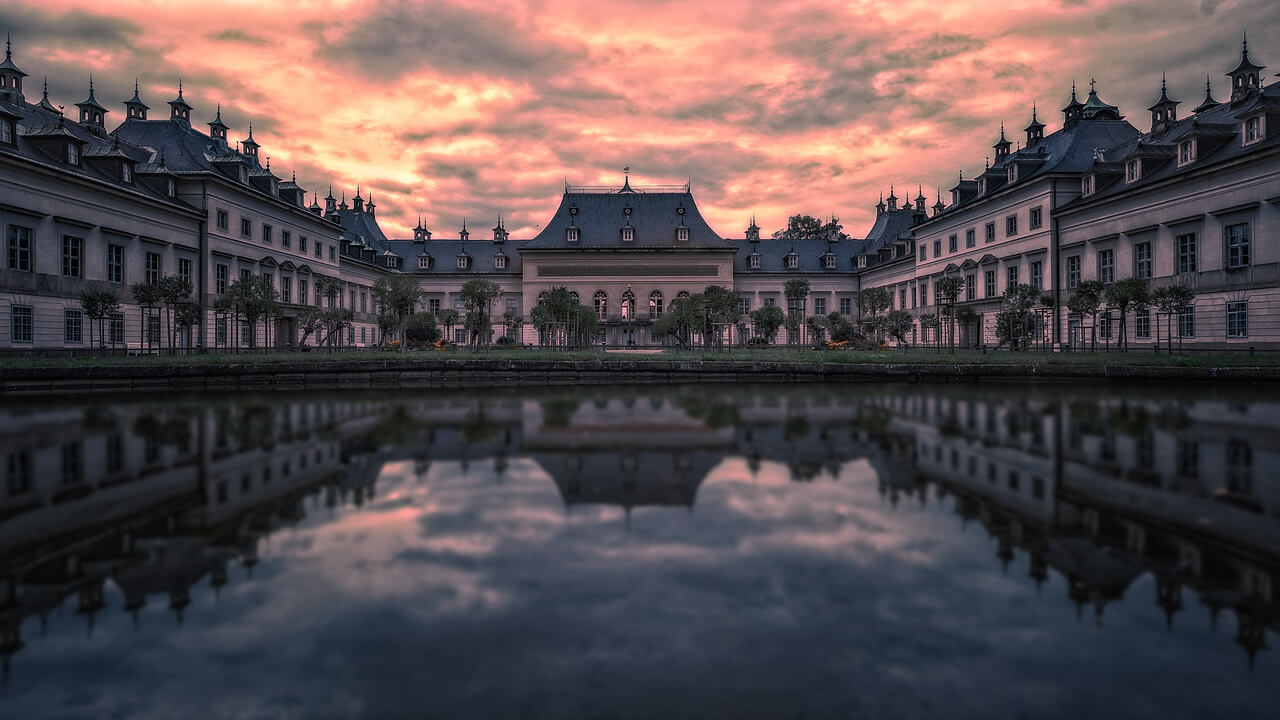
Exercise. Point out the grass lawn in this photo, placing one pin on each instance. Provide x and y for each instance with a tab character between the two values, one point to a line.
913	356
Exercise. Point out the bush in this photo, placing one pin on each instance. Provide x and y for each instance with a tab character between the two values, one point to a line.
758	341
505	341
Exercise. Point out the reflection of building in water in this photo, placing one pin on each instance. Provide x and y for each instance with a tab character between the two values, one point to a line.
155	498
1105	489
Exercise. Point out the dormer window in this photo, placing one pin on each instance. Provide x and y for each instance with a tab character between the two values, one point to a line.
500	262
982	186
463	262
1186	151
1252	130
628	234
6	131
1013	173
862	261
126	173
682	234
829	262
172	190
1132	170
753	261
1086	185
793	261
571	234
424	262
73	154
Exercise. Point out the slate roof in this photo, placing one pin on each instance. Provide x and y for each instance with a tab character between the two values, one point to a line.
362	226
39	130
600	217
890	225
1217	130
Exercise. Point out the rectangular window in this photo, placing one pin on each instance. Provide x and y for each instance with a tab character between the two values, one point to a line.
72	466
770	302
220	332
1252	130
937	248
1086	185
744	307
6	131
302	244
1142	260
913	296
951	244
266	233
333	254
924	255
115	328
72	326
1188	458
319	249
1187	261
1011	226
970	286
21	322
433	306
151	269
1037	218
1104	325
72	256
819	306
1106	266
1011	276
184	269
1142	323
286	289
153	329
1237	319
1187	323
1132	170
1237	240
244	334
115	263
846	306
302	291
754	261
1186	152
286	239
246	227
20	248
222	220
1037	275
924	292
1073	272
970	238
364	301
220	279
989	284
991	232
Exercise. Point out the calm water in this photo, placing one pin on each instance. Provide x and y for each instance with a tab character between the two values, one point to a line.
791	552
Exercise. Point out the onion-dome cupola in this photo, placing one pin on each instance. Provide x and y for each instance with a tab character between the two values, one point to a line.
1071	113
330	203
1209	103
499	231
753	231
1035	131
10	75
920	199
1244	79
1096	109
217	128
357	203
463	234
1002	145
893	200
1165	111
92	114
880	206
370	208
134	108
44	100
178	107
249	146
939	206
420	233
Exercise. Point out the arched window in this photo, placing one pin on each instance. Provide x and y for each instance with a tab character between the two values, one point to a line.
655	304
682	295
573	294
602	305
628	305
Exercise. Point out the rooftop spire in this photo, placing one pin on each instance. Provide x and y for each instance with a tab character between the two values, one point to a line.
44	101
1209	103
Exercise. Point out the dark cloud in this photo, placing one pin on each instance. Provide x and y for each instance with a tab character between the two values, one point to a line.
237	36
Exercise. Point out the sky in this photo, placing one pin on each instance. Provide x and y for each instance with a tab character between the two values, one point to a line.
476	108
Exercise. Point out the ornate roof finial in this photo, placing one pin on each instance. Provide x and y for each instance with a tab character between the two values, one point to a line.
8	46
1033	111
250	131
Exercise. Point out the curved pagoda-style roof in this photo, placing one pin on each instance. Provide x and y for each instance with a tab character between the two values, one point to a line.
655	214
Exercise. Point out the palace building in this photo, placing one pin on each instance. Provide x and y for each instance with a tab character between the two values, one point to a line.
1191	201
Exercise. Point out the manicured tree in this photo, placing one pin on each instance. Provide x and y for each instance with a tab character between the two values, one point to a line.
1084	303
683	316
148	297
719	308
796	291
965	317
948	289
174	291
897	324
256	300
1125	295
421	329
98	306
839	327
930	322
329	288
310	321
336	320
1172	300
872	302
767	321
1015	321
477	297
448	317
817	325
186	316
512	321
397	296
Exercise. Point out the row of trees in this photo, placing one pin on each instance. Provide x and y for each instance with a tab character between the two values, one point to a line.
1124	296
